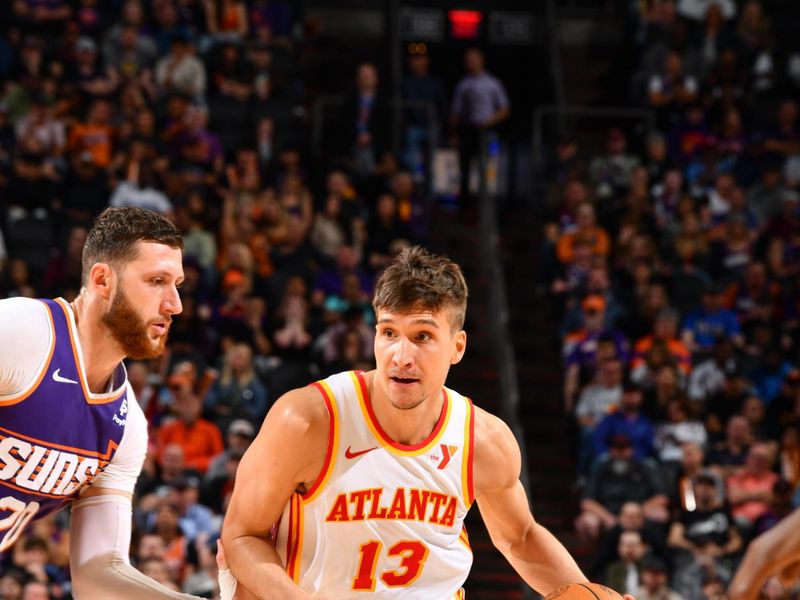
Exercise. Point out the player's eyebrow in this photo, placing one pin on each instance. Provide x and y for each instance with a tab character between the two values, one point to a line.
420	321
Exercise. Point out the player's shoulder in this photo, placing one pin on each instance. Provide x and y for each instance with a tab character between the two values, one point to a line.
491	431
25	308
300	410
497	460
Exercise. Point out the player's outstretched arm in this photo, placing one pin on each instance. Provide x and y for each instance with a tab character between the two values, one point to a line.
776	551
100	536
539	558
289	451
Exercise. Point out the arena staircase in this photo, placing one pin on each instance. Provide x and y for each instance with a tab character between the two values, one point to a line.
548	437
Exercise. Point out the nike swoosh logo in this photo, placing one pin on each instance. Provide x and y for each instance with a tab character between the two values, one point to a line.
60	379
349	454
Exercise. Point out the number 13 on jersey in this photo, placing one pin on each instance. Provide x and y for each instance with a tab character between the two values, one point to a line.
412	555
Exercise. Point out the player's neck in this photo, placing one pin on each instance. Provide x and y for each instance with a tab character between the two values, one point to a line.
405	426
99	351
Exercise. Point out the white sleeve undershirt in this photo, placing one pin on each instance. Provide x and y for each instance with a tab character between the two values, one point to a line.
25	321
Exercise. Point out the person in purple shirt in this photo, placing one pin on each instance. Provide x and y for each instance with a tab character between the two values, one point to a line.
480	103
629	421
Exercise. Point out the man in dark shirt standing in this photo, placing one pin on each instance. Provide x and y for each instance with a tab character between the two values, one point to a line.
422	91
480	103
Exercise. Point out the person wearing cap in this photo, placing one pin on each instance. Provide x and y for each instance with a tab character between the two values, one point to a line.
88	74
628	421
617	478
654	580
581	349
239	436
704	537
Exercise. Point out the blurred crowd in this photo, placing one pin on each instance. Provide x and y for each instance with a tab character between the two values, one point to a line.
202	110
675	254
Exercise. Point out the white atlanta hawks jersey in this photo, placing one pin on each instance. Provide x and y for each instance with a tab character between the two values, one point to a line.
383	518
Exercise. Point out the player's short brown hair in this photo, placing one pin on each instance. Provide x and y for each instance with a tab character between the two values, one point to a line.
113	236
418	279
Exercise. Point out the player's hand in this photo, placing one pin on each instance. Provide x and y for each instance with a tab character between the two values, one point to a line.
628	597
226	580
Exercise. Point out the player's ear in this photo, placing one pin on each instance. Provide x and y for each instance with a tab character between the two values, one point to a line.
101	279
459	347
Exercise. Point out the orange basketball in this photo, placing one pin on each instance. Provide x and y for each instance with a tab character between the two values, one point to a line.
584	591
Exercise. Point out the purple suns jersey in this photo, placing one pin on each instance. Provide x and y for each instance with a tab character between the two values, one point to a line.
54	438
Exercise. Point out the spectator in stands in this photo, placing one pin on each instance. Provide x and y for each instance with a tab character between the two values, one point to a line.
663	338
420	86
683	495
95	136
87	75
615	480
226	19
703	539
667	386
695	10
729	454
181	71
334	228
610	172
237	393
710	322
678	429
750	489
597	400
782	141
480	104
654	578
631	518
672	90
624	574
364	122
587	232
580	350
784	410
755	298
629	422
385	227
200	439
727	401
765	197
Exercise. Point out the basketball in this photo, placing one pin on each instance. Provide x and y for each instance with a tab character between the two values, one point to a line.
584	591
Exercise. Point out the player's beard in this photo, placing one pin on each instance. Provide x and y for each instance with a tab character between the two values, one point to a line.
130	330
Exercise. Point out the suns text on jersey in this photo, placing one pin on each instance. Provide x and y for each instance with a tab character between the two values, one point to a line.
44	470
405	504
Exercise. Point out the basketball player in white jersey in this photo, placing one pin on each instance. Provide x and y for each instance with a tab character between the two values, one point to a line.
360	483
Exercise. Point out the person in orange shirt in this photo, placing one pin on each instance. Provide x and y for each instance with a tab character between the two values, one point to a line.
665	331
586	231
200	439
750	490
96	136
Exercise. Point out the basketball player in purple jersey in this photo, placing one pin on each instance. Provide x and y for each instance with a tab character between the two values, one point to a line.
71	431
360	483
